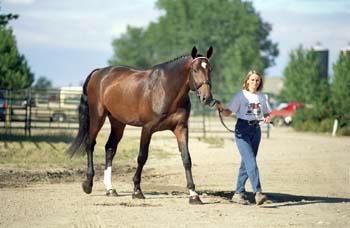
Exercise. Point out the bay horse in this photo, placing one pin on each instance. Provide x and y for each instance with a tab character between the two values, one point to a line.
155	99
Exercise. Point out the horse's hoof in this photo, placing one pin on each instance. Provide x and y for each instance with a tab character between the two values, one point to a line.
87	187
111	192
138	195
195	200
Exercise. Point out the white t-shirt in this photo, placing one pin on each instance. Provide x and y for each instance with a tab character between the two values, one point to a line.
249	106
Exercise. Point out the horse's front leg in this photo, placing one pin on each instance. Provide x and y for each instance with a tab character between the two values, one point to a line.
141	160
181	133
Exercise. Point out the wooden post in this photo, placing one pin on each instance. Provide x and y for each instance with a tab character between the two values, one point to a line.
268	130
335	127
30	113
8	111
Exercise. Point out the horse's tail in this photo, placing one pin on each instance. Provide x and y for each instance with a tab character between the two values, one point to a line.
80	142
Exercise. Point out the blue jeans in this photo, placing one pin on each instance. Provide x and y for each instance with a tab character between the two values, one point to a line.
248	139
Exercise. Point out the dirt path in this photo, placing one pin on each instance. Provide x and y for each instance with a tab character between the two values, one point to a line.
306	176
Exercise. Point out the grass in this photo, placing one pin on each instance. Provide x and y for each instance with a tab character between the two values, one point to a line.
47	150
214	142
53	138
42	158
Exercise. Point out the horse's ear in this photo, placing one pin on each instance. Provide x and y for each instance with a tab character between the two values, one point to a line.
209	52
194	52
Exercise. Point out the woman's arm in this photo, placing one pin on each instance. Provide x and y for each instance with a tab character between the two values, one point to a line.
266	109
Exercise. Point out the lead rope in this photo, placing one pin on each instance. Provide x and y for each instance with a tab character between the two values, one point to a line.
223	123
214	102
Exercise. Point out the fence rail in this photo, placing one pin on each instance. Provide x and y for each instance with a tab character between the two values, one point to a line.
58	109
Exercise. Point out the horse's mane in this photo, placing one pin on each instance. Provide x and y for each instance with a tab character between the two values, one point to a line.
171	63
157	69
164	65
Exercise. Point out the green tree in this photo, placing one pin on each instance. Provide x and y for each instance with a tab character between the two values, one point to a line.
235	30
129	47
341	86
303	83
43	83
5	18
14	70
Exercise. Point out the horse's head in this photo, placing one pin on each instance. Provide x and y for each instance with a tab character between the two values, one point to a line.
200	80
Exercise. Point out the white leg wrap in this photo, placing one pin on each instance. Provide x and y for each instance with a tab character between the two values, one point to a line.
107	180
193	193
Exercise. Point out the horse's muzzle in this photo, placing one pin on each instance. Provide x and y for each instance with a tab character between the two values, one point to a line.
205	99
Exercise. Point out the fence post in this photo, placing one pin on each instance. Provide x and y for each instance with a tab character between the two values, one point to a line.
28	112
335	127
8	111
268	130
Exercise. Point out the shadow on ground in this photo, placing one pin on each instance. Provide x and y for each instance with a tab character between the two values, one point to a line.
276	200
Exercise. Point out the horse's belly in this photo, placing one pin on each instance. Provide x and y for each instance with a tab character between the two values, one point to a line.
136	123
130	119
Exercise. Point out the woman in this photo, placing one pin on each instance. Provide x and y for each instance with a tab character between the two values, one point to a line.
251	107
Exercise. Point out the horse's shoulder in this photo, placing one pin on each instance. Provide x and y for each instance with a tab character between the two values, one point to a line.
155	74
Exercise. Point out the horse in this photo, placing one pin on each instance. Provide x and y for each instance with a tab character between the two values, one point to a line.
155	99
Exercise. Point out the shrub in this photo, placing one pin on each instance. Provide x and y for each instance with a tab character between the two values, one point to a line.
307	120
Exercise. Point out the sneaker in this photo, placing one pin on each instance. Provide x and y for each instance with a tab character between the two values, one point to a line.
240	198
260	198
244	195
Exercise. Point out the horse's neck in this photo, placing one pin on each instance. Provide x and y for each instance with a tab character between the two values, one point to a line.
173	88
179	78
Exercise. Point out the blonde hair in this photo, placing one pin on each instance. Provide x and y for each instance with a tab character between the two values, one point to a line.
250	73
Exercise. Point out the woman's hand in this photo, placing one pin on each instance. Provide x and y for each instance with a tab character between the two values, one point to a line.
220	107
267	119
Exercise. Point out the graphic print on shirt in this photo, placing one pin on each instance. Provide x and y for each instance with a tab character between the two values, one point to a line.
253	109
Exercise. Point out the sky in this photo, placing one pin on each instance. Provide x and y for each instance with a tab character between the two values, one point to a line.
65	40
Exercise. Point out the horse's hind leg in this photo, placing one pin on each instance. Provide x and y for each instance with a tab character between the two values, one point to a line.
181	133
141	160
117	130
96	122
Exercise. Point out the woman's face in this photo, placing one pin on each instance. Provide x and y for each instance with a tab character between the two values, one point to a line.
253	82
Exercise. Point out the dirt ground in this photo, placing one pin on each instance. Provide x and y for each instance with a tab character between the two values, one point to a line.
306	176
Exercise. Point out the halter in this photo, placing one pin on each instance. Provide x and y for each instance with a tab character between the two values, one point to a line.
200	57
196	87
